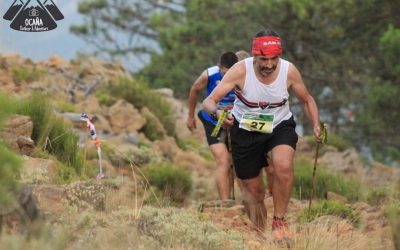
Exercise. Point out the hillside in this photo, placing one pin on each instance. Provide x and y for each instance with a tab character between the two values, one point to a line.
158	174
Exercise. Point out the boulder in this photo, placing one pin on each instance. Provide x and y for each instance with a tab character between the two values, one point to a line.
347	162
38	171
125	118
17	133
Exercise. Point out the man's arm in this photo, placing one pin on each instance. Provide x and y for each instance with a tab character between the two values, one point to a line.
198	85
295	82
231	80
234	78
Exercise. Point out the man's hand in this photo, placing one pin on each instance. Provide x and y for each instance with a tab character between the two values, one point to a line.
228	121
191	123
317	133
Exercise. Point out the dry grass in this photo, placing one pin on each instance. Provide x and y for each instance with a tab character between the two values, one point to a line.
328	235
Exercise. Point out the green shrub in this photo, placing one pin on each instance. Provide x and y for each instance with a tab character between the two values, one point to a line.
64	106
339	142
192	144
329	207
392	212
174	182
325	180
183	229
27	74
51	133
140	95
377	196
153	129
65	174
10	162
140	156
334	140
105	99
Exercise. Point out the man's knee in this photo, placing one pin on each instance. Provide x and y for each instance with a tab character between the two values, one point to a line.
256	192
284	169
223	160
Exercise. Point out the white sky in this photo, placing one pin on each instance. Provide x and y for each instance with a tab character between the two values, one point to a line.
42	45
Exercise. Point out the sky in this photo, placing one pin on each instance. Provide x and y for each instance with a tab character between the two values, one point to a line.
41	45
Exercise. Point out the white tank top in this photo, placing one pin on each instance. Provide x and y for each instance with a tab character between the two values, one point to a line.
255	91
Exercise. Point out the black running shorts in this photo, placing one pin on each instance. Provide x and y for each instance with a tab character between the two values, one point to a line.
209	127
249	148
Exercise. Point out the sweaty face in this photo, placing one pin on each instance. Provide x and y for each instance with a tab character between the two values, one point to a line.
266	65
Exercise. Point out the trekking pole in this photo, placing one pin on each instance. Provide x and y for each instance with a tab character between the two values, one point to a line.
313	177
228	131
324	134
219	123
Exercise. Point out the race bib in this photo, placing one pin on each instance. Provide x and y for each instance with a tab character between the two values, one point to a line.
257	122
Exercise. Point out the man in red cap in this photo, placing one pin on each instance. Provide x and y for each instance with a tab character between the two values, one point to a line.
262	122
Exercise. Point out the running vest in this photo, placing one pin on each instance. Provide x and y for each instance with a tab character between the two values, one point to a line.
214	78
270	99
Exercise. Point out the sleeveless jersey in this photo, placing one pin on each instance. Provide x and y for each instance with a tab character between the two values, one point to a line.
256	92
214	78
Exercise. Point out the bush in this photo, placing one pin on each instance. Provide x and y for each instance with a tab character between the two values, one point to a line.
51	133
174	182
191	144
105	99
27	74
325	181
338	142
65	174
392	212
377	196
10	162
153	129
326	207
334	140
140	95
182	229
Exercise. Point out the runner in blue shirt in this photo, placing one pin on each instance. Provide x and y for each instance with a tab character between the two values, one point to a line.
208	80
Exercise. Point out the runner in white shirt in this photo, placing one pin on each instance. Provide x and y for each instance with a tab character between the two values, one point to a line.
262	122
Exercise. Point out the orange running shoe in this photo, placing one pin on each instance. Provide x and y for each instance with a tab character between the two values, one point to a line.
281	233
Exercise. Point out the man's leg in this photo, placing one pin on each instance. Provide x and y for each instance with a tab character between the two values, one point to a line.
282	160
253	191
223	172
269	171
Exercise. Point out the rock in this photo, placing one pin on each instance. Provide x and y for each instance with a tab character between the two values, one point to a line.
166	148
348	162
380	175
51	199
17	133
19	125
194	162
336	197
26	145
166	92
125	118
38	171
18	215
57	62
333	223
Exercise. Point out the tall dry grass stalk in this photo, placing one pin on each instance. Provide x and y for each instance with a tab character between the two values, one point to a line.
326	235
137	176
